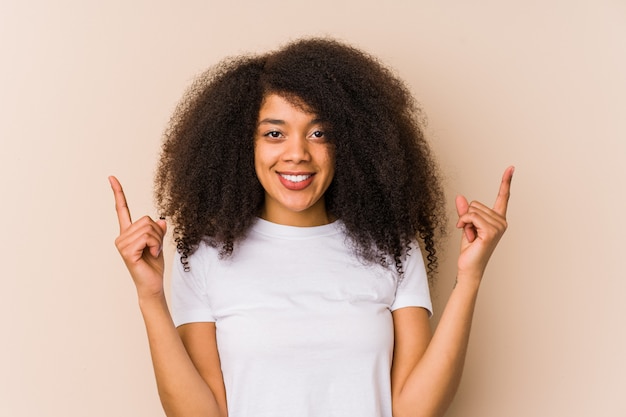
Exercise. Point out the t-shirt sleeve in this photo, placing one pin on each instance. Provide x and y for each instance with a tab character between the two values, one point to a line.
190	303
413	290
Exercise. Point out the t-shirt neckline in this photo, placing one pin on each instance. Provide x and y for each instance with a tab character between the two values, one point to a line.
268	228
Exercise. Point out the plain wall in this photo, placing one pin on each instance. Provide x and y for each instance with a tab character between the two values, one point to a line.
86	89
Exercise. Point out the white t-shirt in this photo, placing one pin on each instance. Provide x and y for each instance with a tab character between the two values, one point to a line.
304	328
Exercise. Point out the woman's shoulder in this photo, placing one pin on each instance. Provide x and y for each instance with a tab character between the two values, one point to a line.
197	259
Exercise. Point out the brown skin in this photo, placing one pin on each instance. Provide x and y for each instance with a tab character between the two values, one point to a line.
182	389
291	142
426	372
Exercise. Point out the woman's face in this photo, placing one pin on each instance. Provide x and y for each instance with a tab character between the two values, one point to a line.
294	162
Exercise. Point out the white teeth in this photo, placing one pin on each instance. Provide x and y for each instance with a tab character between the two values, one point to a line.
295	178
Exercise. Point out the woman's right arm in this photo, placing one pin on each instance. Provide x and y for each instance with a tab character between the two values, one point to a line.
186	365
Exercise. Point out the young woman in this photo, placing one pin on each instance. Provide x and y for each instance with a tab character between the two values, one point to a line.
302	191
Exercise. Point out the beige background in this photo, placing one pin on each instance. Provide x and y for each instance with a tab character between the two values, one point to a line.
86	89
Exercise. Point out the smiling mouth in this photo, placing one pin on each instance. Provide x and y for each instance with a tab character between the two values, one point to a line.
295	182
296	178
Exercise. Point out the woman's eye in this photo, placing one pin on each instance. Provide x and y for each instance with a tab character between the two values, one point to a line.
273	134
318	134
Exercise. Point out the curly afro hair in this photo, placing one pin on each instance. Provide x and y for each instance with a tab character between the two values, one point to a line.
386	189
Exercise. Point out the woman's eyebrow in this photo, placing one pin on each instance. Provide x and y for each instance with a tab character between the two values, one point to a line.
271	121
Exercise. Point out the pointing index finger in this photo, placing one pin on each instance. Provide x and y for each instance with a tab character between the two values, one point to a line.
121	207
504	193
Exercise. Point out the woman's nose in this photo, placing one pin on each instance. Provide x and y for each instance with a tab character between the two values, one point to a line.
296	149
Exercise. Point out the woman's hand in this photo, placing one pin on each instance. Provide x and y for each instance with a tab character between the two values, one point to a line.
140	244
482	229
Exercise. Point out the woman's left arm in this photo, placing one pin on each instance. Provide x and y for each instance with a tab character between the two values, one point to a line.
426	371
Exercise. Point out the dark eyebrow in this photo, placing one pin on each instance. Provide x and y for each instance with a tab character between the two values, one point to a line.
272	121
282	122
